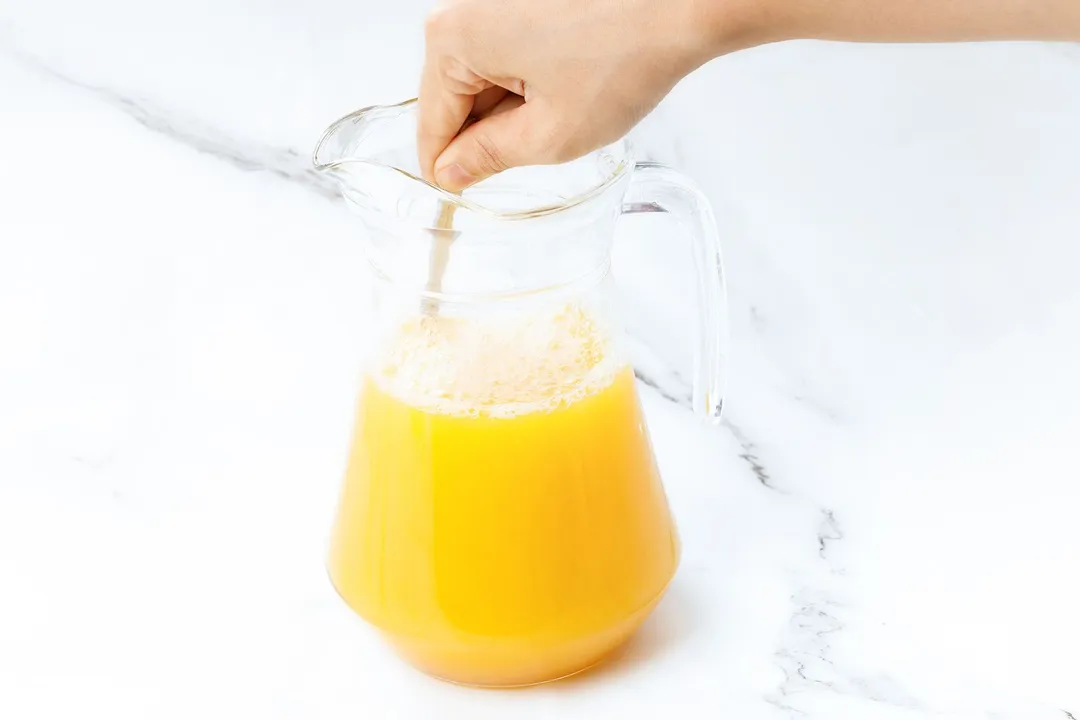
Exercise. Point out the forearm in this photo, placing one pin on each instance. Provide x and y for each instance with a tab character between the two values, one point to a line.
889	20
937	20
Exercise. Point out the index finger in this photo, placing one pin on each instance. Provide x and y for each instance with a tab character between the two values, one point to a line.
442	113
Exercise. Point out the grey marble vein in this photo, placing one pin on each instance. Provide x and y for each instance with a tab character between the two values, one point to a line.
805	658
647	379
804	652
288	164
829	531
749	455
748	450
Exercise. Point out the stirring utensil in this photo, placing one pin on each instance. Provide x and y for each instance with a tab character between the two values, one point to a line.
443	237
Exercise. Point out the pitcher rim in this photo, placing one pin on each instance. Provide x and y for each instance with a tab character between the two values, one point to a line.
625	164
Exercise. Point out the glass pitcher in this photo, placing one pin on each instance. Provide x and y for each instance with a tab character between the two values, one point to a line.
502	519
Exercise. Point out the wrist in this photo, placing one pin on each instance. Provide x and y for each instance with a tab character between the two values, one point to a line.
725	26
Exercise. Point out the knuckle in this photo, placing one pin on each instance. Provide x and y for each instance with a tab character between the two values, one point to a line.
460	78
489	157
439	22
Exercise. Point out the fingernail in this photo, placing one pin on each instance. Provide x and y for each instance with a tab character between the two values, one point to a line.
454	177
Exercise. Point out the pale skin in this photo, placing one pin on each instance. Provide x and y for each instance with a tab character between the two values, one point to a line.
508	83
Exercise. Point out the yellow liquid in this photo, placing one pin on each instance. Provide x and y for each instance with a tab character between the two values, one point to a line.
502	519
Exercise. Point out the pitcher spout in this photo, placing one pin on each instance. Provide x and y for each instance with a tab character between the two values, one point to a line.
371	154
377	134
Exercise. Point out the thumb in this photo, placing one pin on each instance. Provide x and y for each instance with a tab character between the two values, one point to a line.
500	141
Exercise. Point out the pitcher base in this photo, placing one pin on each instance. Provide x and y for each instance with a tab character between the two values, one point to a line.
509	667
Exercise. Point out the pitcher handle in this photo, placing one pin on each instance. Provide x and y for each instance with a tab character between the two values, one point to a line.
656	188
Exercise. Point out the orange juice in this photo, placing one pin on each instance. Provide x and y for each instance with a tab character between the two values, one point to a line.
502	520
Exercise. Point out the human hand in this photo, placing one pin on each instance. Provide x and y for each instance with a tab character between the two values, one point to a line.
542	82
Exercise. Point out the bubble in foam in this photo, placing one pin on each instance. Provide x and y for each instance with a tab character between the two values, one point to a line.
498	367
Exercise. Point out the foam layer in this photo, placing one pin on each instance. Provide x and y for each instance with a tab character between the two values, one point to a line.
498	367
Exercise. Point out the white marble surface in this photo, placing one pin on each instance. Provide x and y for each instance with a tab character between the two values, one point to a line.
885	528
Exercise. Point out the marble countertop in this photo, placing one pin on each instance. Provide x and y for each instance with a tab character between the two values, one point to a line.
884	527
